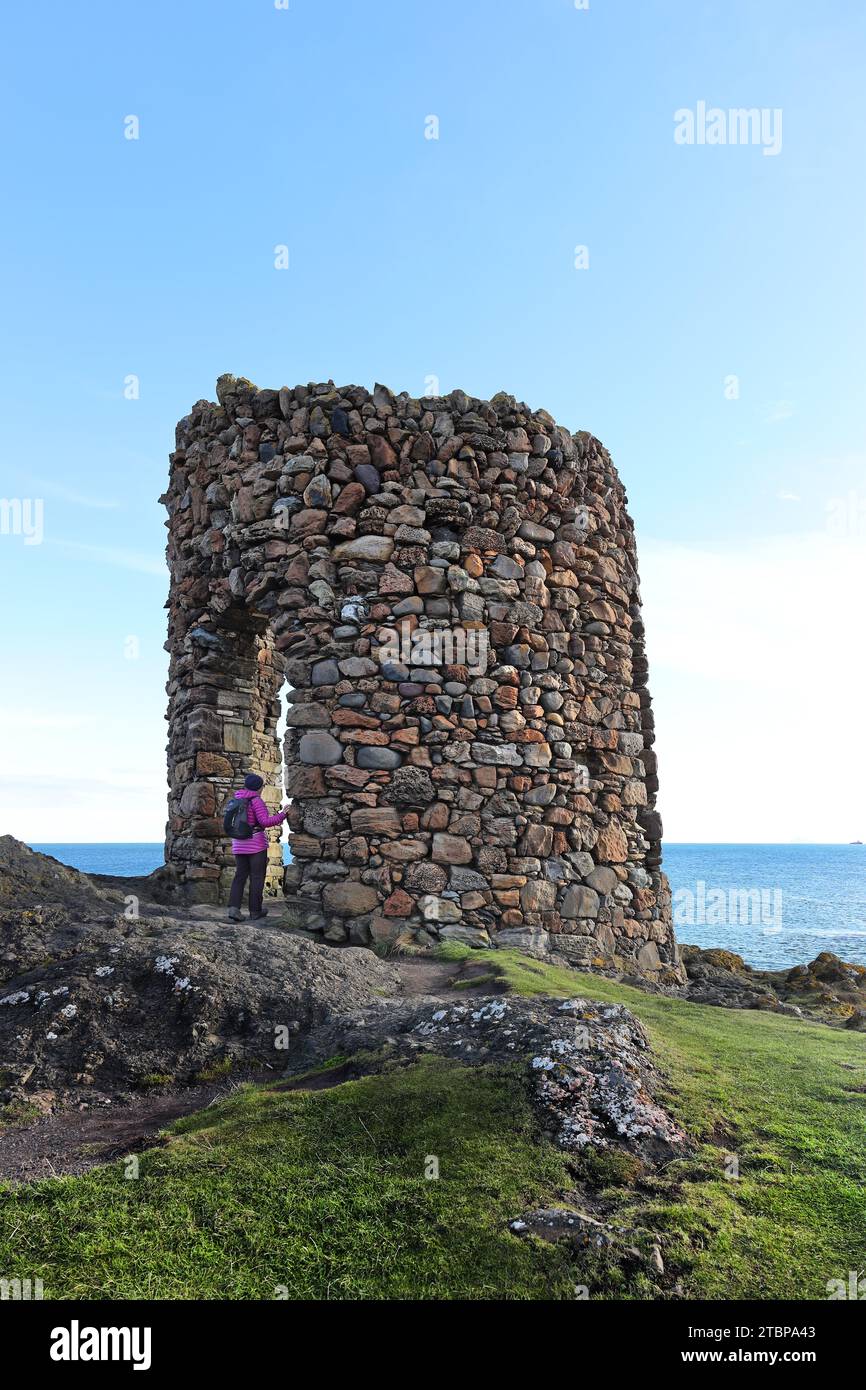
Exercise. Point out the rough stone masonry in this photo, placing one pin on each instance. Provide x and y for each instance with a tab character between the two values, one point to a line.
448	590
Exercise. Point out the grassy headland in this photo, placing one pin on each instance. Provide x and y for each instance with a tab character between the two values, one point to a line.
328	1193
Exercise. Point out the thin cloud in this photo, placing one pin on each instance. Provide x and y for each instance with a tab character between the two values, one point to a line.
741	614
77	788
13	719
76	499
779	411
43	809
119	559
730	634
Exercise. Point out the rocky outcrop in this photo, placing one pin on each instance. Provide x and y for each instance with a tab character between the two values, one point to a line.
827	989
589	1065
96	1005
449	589
28	877
103	1007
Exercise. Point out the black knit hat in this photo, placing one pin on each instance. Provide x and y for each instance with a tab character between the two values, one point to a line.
253	782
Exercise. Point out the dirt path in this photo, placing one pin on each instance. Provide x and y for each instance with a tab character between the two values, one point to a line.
421	975
70	1142
439	979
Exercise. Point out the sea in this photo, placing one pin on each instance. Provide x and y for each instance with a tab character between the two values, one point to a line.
775	905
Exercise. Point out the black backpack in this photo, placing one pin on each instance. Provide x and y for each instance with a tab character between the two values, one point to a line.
235	821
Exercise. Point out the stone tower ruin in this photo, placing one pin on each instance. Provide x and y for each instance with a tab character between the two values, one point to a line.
448	591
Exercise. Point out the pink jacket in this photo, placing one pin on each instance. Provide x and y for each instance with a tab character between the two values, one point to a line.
257	814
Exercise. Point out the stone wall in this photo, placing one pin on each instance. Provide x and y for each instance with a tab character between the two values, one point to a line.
449	589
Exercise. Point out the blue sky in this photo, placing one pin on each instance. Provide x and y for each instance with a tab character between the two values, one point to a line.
453	257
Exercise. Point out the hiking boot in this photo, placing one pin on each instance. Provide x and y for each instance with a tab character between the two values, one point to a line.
256	916
234	915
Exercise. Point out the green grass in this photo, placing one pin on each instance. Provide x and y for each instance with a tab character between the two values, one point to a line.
18	1112
780	1095
323	1194
219	1071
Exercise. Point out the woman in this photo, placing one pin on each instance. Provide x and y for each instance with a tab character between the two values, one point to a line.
251	856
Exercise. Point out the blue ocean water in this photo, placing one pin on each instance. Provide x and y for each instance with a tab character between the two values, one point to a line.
809	898
129	860
802	900
775	905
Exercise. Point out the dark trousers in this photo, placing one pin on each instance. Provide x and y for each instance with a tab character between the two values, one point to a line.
252	867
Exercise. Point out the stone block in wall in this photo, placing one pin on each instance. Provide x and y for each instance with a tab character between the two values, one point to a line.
237	738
